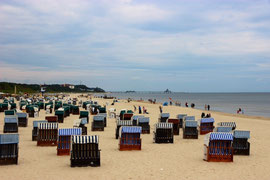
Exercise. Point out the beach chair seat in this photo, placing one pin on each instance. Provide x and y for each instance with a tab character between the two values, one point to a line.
120	123
130	138
163	133
218	147
85	151
181	118
98	123
9	149
175	125
190	130
241	146
47	134
22	119
206	125
64	140
11	124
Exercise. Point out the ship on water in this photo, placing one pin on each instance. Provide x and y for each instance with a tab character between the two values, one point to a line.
167	91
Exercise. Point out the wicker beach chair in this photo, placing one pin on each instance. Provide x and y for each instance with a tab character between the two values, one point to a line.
98	123
241	146
130	138
206	125
11	124
35	129
85	151
144	123
9	148
218	147
163	117
181	118
22	119
60	115
163	133
47	134
120	123
75	110
64	140
190	130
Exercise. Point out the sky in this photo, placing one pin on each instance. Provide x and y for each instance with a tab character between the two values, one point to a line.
141	45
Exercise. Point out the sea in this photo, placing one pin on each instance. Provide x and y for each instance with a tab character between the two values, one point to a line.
253	104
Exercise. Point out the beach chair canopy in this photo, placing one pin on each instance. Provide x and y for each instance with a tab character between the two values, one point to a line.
164	125
143	119
70	131
181	116
44	125
102	114
59	112
207	120
231	124
21	115
85	139
223	129
84	113
35	123
136	117
189	118
124	123
191	124
98	118
11	119
241	134
9	112
165	115
9	138
221	136
131	129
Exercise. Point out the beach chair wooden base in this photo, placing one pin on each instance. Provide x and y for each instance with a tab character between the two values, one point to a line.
46	143
31	114
8	161
10	128
159	140
128	147
219	158
22	122
34	137
189	136
146	131
94	162
84	130
97	128
242	151
63	152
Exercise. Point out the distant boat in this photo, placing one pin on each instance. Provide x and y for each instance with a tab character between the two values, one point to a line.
167	91
130	92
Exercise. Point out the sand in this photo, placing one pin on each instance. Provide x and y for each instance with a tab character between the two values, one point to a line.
181	160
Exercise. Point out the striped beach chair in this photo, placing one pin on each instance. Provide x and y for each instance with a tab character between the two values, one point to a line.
163	117
11	124
218	147
85	151
120	123
206	125
9	148
228	124
98	123
64	139
47	134
181	118
22	119
35	129
190	130
144	123
130	138
163	133
241	146
175	125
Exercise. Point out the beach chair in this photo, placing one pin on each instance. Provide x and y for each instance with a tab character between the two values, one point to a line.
85	151
13	106
105	118
241	146
128	115
84	114
223	129
135	119
22	119
47	134
60	115
163	133
4	106
181	118
66	110
35	129
175	125
218	147
9	148
51	118
206	125
190	130
64	140
75	110
163	117
228	124
98	123
130	138
11	124
30	110
144	123
120	123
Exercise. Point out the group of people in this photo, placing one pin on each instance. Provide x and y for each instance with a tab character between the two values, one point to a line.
141	110
207	107
239	111
205	115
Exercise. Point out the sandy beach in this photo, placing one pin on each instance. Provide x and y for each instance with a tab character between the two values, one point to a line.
181	160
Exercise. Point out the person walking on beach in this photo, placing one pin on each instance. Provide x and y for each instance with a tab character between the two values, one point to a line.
160	109
135	108
186	104
140	110
208	107
143	109
205	107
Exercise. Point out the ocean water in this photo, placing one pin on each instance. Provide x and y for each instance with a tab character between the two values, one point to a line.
254	104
